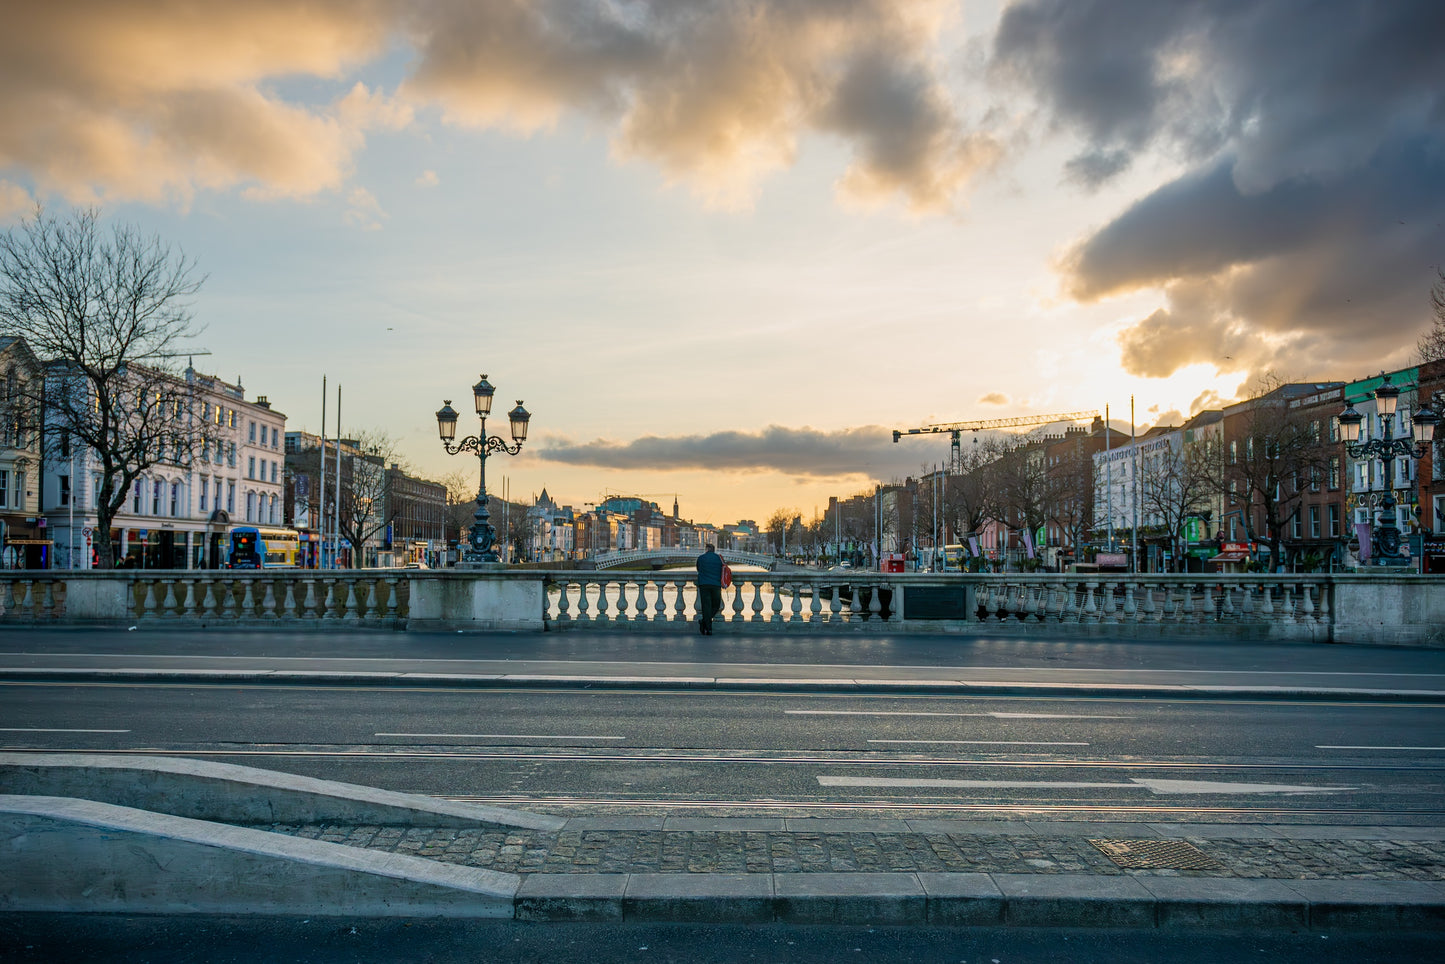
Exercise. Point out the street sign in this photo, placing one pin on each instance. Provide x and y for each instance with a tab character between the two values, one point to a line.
86	530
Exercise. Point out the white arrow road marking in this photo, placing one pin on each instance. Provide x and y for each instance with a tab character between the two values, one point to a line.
980	742
1428	748
1158	787
997	716
504	736
42	729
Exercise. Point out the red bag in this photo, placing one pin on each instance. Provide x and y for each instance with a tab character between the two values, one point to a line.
727	578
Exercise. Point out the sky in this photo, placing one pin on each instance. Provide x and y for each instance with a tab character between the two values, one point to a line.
720	248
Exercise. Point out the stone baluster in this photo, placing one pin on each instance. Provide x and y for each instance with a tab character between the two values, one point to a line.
679	602
288	601
352	609
268	600
564	614
1289	615
373	609
659	608
815	604
583	605
1111	608
1226	608
641	610
1091	611
168	603
604	606
835	605
738	587
1307	603
1322	612
308	602
1131	611
756	605
209	603
855	608
777	615
248	599
328	602
1266	602
797	607
622	603
1149	613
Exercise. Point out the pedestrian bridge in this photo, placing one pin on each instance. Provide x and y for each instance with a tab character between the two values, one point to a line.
663	557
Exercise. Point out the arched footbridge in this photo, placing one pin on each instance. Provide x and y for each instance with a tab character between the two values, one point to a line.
658	558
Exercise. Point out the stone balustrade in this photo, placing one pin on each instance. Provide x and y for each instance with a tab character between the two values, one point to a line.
1385	608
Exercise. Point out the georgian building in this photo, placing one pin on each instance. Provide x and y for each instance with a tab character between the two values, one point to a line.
178	513
24	541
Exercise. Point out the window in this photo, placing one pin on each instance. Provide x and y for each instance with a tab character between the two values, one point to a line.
156	497
275	437
205	494
273	471
231	419
18	501
4	488
1249	448
1296	526
1334	516
1314	522
1233	451
135	498
65	490
64	444
272	516
1334	472
251	437
175	499
231	454
205	411
1314	478
230	497
218	493
250	507
251	467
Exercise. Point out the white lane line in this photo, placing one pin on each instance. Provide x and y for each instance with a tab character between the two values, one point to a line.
997	716
1158	787
1320	746
981	742
46	729
505	736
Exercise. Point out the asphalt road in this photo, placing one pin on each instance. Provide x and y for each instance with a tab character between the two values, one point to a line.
570	750
176	939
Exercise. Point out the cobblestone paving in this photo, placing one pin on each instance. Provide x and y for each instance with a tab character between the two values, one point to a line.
779	852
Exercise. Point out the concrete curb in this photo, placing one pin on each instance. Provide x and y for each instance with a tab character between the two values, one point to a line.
224	792
711	683
65	855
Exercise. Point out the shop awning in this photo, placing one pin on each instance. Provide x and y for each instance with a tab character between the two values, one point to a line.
28	542
1229	557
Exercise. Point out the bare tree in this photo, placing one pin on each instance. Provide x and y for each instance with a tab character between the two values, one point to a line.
1431	346
1281	454
1176	485
366	506
108	313
970	496
1071	494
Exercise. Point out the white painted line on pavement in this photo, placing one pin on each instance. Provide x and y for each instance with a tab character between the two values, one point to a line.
1158	787
981	742
505	736
995	715
1319	746
45	729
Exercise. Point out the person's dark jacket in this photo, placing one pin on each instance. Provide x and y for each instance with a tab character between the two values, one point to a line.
709	569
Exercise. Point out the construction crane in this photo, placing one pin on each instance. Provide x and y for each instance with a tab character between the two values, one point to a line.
956	429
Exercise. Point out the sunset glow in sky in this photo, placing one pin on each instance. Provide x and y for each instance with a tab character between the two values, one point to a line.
722	248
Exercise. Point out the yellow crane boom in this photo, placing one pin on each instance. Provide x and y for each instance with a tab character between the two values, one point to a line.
955	429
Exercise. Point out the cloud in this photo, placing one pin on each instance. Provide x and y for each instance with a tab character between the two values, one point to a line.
993	398
155	101
717	95
800	452
14	201
1303	234
428	179
363	210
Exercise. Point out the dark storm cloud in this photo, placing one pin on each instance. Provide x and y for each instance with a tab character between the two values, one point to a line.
1306	235
804	452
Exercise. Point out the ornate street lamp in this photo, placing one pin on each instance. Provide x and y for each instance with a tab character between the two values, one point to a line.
1386	533
481	547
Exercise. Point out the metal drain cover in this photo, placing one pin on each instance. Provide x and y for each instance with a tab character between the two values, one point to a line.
1156	855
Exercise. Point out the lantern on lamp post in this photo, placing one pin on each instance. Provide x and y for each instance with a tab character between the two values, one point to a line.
481	547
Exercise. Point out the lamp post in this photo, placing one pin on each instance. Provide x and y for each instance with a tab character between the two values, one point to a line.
1386	533
482	543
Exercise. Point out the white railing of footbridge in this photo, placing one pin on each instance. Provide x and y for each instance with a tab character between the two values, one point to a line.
621	557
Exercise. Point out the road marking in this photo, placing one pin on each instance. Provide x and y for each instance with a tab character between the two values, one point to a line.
997	716
505	736
1157	787
1327	747
44	729
981	742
